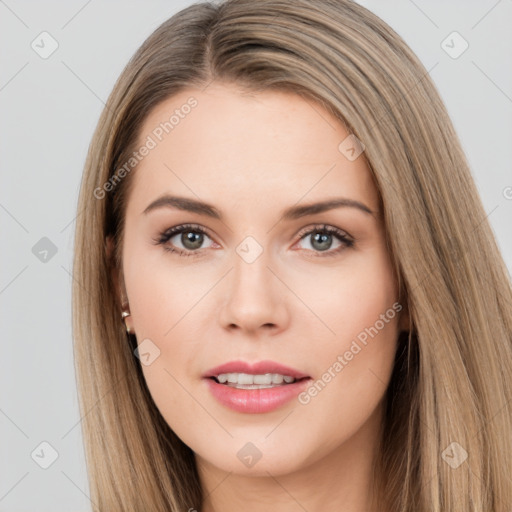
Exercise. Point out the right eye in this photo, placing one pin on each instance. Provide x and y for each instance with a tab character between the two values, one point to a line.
191	237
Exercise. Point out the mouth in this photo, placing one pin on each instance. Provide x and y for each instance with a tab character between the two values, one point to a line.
258	381
260	373
255	388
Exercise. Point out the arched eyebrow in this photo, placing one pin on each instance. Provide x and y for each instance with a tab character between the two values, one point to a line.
291	213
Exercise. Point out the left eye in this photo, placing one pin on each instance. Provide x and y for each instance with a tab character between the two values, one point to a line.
321	240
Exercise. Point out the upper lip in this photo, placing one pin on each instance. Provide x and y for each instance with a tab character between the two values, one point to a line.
256	368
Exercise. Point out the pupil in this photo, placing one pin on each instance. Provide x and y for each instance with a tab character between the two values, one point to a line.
191	240
322	238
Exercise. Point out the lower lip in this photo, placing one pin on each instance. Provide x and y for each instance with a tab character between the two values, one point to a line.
255	401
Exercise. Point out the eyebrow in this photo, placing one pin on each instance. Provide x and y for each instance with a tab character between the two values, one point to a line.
291	213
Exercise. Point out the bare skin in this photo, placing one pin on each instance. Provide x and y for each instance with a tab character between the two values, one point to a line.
302	302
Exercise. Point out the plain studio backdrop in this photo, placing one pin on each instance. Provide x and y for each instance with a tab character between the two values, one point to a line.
59	64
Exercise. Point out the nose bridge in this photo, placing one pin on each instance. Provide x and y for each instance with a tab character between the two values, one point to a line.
254	296
250	270
251	277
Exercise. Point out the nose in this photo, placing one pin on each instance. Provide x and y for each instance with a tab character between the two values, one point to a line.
255	299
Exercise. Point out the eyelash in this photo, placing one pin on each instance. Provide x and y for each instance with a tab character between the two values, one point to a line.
166	235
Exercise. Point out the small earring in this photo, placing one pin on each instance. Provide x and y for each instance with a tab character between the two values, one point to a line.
124	314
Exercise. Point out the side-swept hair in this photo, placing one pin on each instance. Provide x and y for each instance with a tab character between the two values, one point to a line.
452	380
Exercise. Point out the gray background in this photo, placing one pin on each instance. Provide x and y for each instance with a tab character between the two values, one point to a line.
49	109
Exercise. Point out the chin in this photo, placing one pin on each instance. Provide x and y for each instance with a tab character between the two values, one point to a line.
255	456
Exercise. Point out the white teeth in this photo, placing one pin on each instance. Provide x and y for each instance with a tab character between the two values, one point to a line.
262	379
244	378
247	379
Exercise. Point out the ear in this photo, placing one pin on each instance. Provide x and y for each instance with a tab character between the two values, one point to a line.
117	277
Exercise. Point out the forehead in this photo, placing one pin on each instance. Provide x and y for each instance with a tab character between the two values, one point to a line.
224	143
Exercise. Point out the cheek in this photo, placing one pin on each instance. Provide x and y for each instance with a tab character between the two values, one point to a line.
161	290
166	307
162	300
354	364
350	298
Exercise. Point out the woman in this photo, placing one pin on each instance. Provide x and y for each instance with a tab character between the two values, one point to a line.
287	292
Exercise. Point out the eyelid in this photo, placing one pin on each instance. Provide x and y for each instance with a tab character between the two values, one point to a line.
323	227
183	227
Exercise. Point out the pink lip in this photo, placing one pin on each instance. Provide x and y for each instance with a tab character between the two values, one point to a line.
254	401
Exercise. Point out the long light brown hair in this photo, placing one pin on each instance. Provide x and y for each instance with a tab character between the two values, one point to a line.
452	378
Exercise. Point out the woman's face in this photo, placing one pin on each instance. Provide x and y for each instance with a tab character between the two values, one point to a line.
259	278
